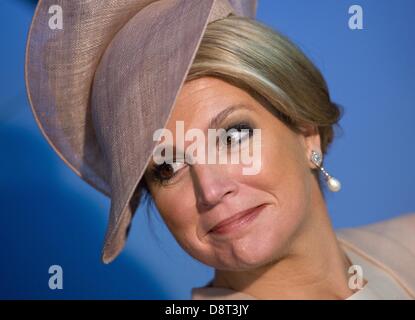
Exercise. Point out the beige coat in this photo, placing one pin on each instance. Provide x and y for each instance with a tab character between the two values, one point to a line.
384	250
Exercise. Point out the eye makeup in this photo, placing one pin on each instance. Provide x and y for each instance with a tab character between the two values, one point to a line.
235	134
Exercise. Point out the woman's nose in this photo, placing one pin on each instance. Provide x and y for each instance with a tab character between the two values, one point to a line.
211	183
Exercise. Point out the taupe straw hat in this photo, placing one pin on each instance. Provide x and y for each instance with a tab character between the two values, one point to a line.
100	85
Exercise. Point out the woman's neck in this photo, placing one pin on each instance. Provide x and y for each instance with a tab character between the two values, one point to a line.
314	267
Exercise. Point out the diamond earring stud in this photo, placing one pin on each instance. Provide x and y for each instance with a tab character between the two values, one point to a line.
333	184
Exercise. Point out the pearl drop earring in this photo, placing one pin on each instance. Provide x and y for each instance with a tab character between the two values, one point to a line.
333	184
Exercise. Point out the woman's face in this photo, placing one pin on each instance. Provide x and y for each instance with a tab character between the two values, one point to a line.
194	198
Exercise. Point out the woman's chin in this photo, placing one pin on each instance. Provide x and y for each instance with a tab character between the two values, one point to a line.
254	245
248	253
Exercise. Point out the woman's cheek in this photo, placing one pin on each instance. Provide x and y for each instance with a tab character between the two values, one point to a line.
284	177
177	214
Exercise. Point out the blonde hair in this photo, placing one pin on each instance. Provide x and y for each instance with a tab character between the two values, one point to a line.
263	62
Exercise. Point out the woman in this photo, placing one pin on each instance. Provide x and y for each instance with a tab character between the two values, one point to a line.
209	65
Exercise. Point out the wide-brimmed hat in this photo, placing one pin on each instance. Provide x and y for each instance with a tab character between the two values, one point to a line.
103	75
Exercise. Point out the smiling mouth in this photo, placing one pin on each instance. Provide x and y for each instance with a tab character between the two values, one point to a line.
237	221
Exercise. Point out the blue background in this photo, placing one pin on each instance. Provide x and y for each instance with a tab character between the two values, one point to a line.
49	216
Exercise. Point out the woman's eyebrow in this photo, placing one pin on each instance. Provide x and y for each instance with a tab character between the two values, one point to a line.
216	120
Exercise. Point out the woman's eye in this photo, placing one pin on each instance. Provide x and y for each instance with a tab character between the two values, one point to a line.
164	172
237	133
236	136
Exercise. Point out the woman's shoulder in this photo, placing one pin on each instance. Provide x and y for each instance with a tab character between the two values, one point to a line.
399	230
389	245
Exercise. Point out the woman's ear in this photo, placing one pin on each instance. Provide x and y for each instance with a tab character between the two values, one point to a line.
311	141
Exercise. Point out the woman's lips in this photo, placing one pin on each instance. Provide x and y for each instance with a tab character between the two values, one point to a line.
237	221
